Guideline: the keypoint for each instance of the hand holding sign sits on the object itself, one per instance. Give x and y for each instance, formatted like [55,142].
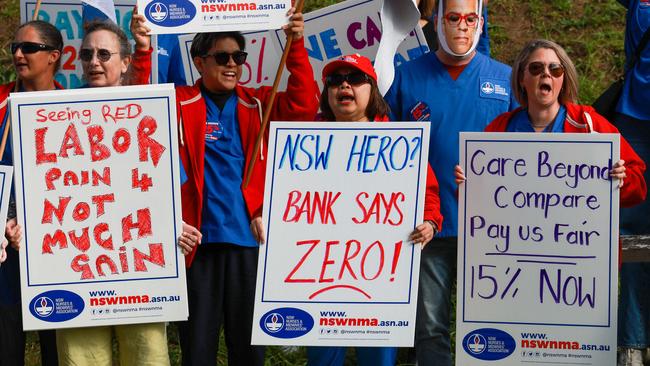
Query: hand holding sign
[296,24]
[618,172]
[14,233]
[140,31]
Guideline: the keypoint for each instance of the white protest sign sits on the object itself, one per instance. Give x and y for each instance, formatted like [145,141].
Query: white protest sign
[259,68]
[351,26]
[65,15]
[196,16]
[340,202]
[537,249]
[98,197]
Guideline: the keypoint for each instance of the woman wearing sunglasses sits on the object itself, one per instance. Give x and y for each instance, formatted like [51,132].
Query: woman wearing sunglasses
[36,53]
[545,83]
[351,94]
[106,56]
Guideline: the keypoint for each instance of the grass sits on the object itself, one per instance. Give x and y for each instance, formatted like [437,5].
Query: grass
[592,32]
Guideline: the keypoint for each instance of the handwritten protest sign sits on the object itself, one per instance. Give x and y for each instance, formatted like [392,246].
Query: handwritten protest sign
[97,193]
[65,15]
[351,26]
[537,249]
[194,16]
[340,202]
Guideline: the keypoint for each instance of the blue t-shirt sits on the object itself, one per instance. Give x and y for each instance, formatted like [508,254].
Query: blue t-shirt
[520,122]
[224,218]
[636,91]
[423,90]
[170,62]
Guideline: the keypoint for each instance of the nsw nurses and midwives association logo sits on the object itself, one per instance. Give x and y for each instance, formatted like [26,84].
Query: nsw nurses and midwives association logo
[476,343]
[487,87]
[158,12]
[274,322]
[44,306]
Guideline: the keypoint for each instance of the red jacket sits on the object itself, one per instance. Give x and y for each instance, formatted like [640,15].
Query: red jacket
[298,103]
[140,68]
[584,119]
[4,95]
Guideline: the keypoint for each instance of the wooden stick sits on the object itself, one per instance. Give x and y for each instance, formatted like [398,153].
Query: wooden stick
[5,133]
[36,10]
[269,104]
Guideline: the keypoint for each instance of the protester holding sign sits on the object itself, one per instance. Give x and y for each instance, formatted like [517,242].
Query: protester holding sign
[545,83]
[457,89]
[36,51]
[222,276]
[105,57]
[351,94]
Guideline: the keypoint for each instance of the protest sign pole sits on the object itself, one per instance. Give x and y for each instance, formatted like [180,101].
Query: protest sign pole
[36,10]
[269,104]
[5,134]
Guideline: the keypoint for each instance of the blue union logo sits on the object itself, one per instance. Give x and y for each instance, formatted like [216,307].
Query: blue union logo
[286,323]
[489,344]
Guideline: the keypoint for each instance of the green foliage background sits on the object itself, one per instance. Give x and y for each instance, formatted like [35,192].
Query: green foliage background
[592,32]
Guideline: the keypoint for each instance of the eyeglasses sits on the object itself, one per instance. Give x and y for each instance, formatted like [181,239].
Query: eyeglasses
[222,58]
[353,78]
[30,47]
[103,55]
[555,69]
[454,19]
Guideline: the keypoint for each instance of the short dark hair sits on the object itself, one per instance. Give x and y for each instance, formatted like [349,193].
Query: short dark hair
[202,42]
[377,106]
[49,34]
[97,25]
[426,8]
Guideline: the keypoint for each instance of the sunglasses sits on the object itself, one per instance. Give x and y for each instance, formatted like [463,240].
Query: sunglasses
[454,19]
[222,58]
[30,47]
[555,69]
[103,55]
[353,78]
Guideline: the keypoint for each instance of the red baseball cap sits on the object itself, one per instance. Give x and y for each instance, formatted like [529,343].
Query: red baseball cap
[355,61]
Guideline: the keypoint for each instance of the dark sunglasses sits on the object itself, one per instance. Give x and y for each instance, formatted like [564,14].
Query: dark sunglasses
[454,19]
[555,69]
[30,47]
[353,78]
[222,58]
[103,55]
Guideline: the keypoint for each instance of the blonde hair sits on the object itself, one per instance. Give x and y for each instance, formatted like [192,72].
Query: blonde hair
[569,91]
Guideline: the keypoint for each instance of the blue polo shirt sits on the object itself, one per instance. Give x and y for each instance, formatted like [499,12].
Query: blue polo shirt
[636,91]
[225,217]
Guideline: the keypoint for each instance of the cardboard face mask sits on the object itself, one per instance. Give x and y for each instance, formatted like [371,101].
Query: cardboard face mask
[442,39]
